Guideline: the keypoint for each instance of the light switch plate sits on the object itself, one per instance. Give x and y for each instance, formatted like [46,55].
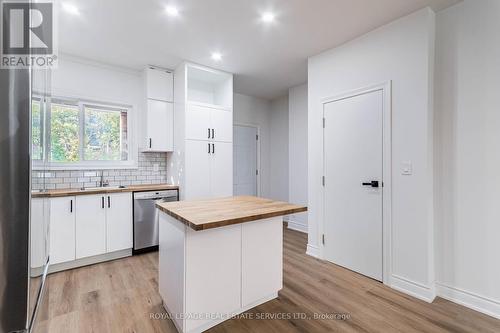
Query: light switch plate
[406,168]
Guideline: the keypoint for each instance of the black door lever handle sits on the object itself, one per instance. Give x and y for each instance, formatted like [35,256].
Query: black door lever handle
[373,183]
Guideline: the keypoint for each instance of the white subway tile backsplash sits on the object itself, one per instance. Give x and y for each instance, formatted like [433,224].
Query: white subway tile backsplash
[145,174]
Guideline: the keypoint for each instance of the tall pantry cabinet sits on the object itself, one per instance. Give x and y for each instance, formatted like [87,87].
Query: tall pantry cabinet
[202,162]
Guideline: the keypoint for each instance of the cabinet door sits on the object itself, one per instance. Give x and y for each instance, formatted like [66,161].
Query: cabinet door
[37,231]
[118,221]
[221,170]
[160,126]
[197,170]
[62,229]
[198,123]
[90,225]
[222,124]
[159,85]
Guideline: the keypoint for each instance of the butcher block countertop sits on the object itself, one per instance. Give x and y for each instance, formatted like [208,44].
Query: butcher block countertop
[102,190]
[215,213]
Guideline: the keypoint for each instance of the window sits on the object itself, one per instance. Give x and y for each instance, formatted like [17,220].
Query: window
[105,134]
[81,134]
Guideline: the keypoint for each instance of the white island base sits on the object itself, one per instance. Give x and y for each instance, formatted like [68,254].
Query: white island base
[208,276]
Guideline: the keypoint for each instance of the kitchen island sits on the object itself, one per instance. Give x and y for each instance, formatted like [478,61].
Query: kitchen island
[220,257]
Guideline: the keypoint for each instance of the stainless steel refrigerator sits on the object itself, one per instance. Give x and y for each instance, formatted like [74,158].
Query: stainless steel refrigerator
[22,286]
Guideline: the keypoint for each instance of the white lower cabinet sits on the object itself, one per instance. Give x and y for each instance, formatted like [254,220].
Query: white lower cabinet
[119,222]
[90,225]
[62,230]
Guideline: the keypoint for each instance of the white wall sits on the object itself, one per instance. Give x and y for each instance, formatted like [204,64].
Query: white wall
[250,110]
[297,154]
[402,52]
[468,154]
[279,149]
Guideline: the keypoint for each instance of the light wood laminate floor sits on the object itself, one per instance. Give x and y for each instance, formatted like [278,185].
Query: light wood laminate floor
[121,296]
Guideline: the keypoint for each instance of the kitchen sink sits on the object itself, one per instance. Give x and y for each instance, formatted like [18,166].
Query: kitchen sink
[102,188]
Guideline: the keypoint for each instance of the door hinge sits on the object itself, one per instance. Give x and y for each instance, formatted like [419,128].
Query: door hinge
[323,239]
[257,172]
[324,122]
[257,137]
[323,180]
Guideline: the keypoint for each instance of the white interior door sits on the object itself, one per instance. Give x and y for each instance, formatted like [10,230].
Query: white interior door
[245,160]
[353,145]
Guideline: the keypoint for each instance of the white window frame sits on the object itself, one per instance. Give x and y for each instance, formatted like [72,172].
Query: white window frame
[46,164]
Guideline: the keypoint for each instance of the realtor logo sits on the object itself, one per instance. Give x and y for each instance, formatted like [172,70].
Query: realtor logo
[27,35]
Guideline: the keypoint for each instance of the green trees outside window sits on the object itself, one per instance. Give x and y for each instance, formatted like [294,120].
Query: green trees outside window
[79,132]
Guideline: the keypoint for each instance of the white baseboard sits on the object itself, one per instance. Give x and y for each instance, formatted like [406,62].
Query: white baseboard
[313,251]
[297,226]
[413,288]
[471,300]
[90,260]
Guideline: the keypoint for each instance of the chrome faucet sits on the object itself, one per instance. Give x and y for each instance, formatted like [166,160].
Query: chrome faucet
[103,183]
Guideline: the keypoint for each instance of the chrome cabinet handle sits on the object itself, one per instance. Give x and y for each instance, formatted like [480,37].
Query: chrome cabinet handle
[102,202]
[213,133]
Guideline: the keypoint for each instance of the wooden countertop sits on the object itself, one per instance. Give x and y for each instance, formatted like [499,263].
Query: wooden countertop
[215,213]
[103,190]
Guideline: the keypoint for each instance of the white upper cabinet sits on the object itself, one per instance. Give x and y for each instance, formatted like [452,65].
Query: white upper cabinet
[204,123]
[159,84]
[160,126]
[221,123]
[159,110]
[198,123]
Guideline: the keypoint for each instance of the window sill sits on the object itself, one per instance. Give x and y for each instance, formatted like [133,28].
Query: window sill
[63,167]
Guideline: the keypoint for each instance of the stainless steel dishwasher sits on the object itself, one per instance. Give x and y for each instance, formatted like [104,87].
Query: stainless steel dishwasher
[146,218]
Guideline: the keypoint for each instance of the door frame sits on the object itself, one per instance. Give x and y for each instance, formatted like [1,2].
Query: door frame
[386,88]
[257,127]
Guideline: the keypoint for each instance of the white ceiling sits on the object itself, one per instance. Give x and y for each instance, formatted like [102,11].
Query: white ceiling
[267,59]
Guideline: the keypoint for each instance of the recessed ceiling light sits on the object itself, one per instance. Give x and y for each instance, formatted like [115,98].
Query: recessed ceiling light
[216,56]
[70,8]
[268,17]
[172,11]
